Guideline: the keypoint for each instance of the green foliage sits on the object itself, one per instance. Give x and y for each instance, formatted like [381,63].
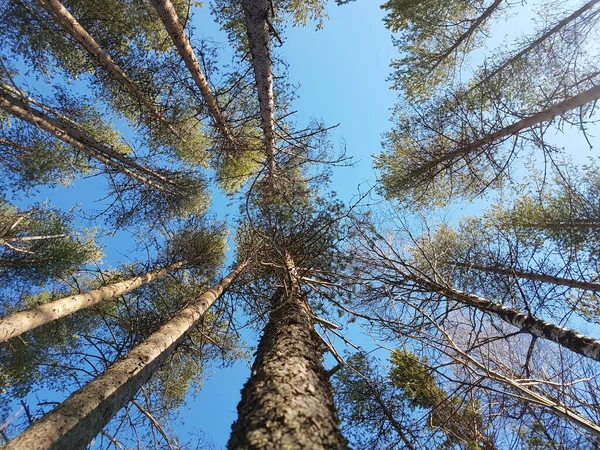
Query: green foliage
[40,244]
[234,168]
[427,31]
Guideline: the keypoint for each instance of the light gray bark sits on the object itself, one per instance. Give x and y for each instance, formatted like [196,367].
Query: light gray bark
[256,18]
[578,284]
[566,337]
[168,15]
[19,322]
[69,134]
[71,26]
[581,99]
[75,422]
[561,24]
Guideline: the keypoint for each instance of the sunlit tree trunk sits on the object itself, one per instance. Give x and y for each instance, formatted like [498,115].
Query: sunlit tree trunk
[75,422]
[168,15]
[256,17]
[566,337]
[587,285]
[288,401]
[67,133]
[536,42]
[19,322]
[71,26]
[581,99]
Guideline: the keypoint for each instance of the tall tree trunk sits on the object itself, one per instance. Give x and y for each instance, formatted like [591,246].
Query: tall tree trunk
[19,322]
[288,400]
[75,422]
[256,17]
[467,34]
[71,26]
[581,99]
[566,337]
[66,132]
[168,15]
[587,285]
[536,42]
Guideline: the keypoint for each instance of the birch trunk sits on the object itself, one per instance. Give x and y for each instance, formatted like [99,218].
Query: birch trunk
[19,322]
[288,403]
[587,285]
[75,422]
[67,133]
[168,15]
[72,27]
[256,18]
[566,337]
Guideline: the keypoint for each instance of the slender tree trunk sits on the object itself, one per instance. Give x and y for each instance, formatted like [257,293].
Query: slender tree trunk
[71,26]
[587,285]
[566,337]
[168,15]
[256,17]
[76,138]
[556,28]
[19,322]
[581,99]
[467,34]
[75,422]
[288,403]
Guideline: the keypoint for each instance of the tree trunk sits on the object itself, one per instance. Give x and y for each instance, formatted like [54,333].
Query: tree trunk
[71,26]
[168,15]
[587,285]
[76,138]
[556,28]
[581,99]
[288,403]
[467,34]
[75,422]
[256,17]
[566,337]
[19,322]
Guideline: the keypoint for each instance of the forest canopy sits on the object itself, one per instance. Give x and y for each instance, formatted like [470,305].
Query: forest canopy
[181,220]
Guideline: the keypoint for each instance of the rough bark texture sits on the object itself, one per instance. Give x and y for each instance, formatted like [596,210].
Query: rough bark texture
[578,284]
[566,337]
[83,38]
[288,403]
[256,18]
[168,15]
[75,422]
[19,322]
[66,132]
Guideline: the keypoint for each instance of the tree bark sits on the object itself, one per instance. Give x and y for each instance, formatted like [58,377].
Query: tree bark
[256,18]
[71,26]
[537,42]
[587,285]
[288,403]
[581,99]
[75,422]
[168,15]
[467,34]
[19,322]
[566,337]
[66,132]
